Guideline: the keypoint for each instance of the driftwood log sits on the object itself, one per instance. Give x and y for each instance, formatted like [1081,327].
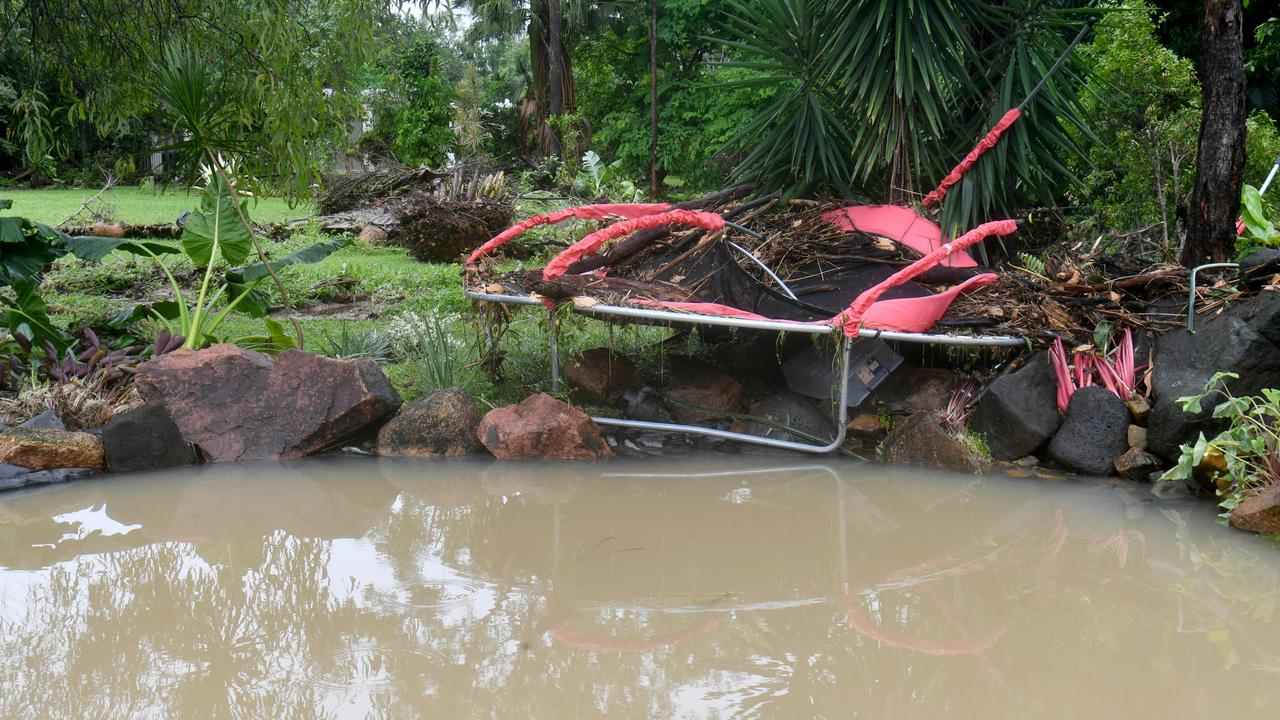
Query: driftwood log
[121,230]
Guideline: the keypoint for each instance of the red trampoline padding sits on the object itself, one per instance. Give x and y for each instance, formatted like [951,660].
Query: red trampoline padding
[983,145]
[899,224]
[852,318]
[583,212]
[916,314]
[559,265]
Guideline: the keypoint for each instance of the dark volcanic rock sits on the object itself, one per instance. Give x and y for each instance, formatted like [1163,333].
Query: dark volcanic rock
[145,438]
[707,388]
[30,478]
[46,420]
[1245,339]
[921,441]
[1137,464]
[1094,433]
[910,390]
[601,376]
[1259,267]
[1260,513]
[794,411]
[237,404]
[1019,412]
[541,427]
[441,423]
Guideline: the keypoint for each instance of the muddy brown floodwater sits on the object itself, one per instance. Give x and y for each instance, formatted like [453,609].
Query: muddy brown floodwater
[712,588]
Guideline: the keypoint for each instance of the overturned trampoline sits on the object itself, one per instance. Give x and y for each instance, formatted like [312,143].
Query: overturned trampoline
[863,275]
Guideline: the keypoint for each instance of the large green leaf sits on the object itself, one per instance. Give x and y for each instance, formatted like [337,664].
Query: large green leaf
[216,221]
[94,249]
[27,315]
[305,256]
[26,249]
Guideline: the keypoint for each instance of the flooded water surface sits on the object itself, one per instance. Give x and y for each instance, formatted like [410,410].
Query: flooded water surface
[700,588]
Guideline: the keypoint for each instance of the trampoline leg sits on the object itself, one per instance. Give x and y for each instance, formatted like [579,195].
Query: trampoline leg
[553,343]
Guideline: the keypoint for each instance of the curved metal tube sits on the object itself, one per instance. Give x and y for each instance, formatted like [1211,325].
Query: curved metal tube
[1191,300]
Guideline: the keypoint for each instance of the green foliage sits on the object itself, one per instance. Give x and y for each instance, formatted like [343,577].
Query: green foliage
[1145,103]
[699,109]
[1259,231]
[26,249]
[410,101]
[1249,447]
[599,180]
[883,97]
[352,343]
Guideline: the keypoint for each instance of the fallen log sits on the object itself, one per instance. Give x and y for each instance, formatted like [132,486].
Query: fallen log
[123,230]
[637,242]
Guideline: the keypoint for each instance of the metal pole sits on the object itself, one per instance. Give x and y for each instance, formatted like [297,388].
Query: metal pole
[842,420]
[553,342]
[1061,59]
[1191,300]
[751,256]
[1270,176]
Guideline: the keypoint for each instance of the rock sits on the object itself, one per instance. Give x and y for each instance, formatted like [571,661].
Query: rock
[703,386]
[910,390]
[1137,437]
[441,423]
[601,376]
[1260,513]
[541,427]
[373,235]
[1019,411]
[921,440]
[44,449]
[866,426]
[794,411]
[1093,434]
[46,420]
[29,477]
[1139,409]
[1260,267]
[145,438]
[1136,464]
[237,404]
[1245,339]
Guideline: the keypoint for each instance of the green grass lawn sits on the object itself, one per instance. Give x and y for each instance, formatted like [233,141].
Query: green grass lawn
[133,205]
[435,335]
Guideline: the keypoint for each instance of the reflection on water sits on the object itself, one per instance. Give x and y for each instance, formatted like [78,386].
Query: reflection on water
[707,588]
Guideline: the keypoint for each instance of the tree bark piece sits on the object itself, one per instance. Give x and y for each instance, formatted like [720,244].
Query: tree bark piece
[1215,197]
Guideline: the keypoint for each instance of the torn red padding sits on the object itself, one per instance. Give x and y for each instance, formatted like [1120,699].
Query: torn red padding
[915,314]
[853,317]
[584,212]
[559,265]
[983,145]
[899,224]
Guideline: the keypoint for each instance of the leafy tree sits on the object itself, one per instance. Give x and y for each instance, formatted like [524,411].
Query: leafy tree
[882,97]
[699,107]
[553,29]
[1143,100]
[289,67]
[410,101]
[1215,196]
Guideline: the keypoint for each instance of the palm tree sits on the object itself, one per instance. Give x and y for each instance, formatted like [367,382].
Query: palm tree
[553,27]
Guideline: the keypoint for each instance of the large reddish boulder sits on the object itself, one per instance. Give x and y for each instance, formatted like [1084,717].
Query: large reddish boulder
[700,392]
[1260,513]
[541,427]
[601,376]
[237,404]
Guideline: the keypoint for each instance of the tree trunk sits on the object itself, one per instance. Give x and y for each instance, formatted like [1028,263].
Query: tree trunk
[1215,197]
[555,70]
[653,99]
